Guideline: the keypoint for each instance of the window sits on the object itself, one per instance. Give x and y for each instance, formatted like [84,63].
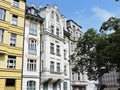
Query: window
[14,20]
[51,48]
[10,82]
[52,66]
[32,46]
[65,70]
[57,32]
[32,11]
[1,35]
[78,76]
[64,54]
[57,18]
[31,65]
[64,85]
[52,29]
[11,62]
[2,14]
[31,85]
[16,3]
[72,49]
[58,50]
[55,86]
[52,15]
[72,76]
[13,39]
[33,28]
[58,67]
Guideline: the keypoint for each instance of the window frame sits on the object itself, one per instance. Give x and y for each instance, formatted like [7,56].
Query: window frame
[31,85]
[31,65]
[16,3]
[58,50]
[11,62]
[58,67]
[14,20]
[1,35]
[33,28]
[13,39]
[3,14]
[52,65]
[52,48]
[32,46]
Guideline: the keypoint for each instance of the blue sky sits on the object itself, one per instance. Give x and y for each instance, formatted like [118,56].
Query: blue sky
[87,13]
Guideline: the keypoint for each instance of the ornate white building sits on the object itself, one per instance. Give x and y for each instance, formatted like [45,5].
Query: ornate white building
[31,59]
[55,50]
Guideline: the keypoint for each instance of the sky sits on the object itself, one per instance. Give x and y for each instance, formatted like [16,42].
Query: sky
[87,13]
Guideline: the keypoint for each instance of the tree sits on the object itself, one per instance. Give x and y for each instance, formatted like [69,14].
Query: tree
[98,53]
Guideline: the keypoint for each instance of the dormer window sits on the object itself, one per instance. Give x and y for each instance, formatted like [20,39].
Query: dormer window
[57,18]
[52,15]
[32,11]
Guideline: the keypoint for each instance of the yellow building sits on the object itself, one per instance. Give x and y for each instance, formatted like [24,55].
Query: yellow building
[12,14]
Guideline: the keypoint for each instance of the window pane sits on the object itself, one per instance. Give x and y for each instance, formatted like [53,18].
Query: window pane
[13,39]
[16,3]
[33,28]
[1,35]
[11,63]
[2,14]
[10,82]
[31,65]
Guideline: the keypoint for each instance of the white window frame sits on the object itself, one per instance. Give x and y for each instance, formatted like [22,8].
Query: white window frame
[13,39]
[52,15]
[33,28]
[2,14]
[57,31]
[57,18]
[58,50]
[11,62]
[58,67]
[64,85]
[32,46]
[31,65]
[14,20]
[31,85]
[65,70]
[52,29]
[52,66]
[52,48]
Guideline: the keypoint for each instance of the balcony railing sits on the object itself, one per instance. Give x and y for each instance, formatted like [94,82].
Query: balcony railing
[33,52]
[33,32]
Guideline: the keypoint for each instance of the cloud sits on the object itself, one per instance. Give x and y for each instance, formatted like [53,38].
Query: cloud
[102,13]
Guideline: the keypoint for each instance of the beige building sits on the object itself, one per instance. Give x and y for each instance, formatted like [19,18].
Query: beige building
[12,13]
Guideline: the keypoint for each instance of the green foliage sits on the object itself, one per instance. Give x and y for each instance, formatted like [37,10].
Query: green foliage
[98,53]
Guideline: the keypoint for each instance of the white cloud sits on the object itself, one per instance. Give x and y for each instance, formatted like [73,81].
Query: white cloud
[102,13]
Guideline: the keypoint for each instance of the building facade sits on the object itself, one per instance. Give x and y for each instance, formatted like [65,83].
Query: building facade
[54,56]
[32,41]
[78,81]
[110,80]
[11,43]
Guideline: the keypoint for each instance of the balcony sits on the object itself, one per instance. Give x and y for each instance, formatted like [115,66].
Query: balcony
[51,76]
[33,32]
[32,52]
[79,83]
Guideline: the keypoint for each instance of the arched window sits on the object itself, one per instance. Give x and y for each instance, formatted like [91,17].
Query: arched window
[52,15]
[57,18]
[31,85]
